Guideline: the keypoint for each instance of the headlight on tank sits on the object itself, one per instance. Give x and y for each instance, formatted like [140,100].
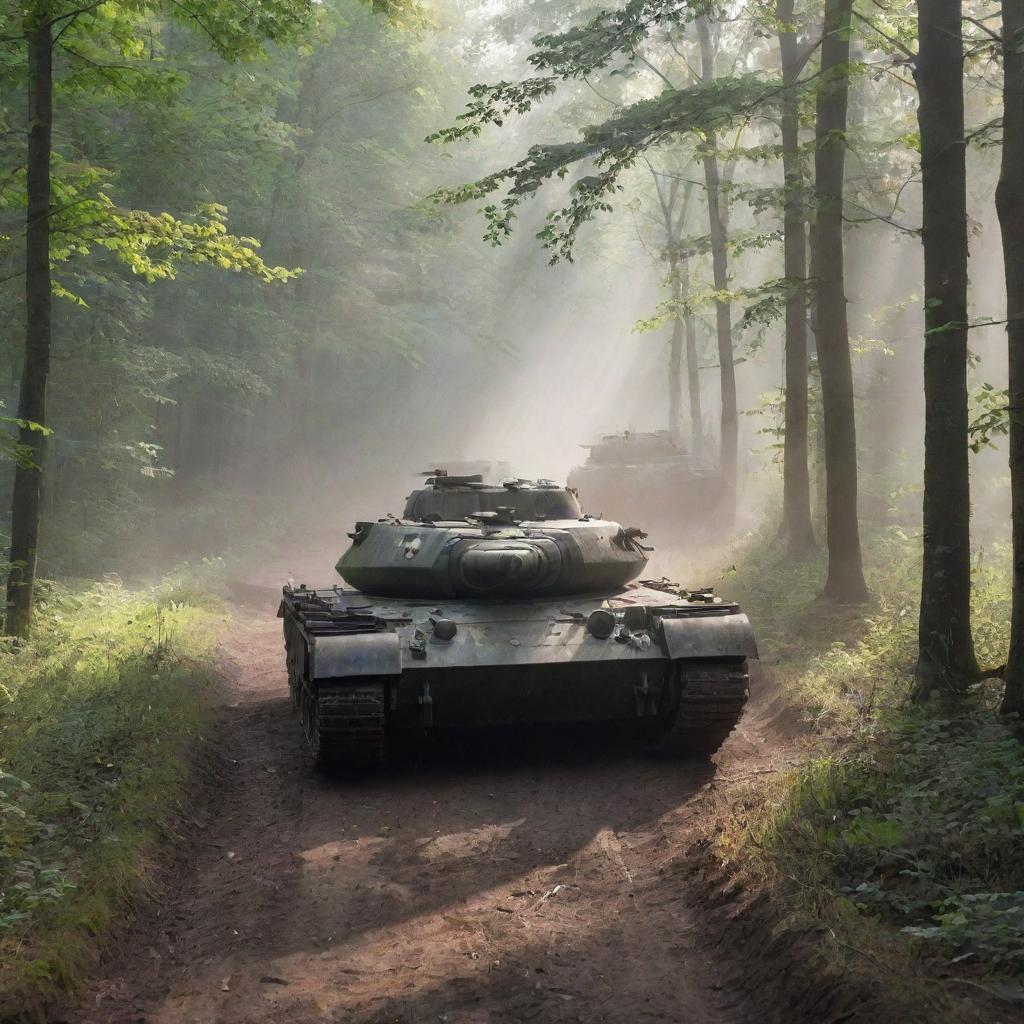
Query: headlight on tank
[445,630]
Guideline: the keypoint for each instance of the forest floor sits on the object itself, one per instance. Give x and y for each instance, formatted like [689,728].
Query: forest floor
[519,879]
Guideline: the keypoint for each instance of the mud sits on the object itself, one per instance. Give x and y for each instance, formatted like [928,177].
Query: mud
[507,878]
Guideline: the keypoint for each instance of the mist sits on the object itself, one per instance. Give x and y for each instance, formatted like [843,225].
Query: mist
[245,416]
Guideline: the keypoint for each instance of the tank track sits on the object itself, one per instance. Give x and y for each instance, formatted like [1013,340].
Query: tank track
[712,695]
[345,724]
[343,719]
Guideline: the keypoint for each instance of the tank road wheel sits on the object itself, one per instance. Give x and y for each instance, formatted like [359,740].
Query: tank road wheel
[710,698]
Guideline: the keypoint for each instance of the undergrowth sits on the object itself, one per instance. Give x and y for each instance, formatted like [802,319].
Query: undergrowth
[96,713]
[904,826]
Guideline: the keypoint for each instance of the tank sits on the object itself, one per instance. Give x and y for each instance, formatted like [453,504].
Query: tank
[506,605]
[648,475]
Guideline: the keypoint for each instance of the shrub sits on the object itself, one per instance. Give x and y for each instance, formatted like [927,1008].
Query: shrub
[96,713]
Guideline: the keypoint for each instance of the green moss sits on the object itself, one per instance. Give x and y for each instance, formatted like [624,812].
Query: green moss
[96,716]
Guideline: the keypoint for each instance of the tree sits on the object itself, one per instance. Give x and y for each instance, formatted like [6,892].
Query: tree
[235,33]
[674,199]
[946,660]
[796,493]
[845,581]
[1010,206]
[729,430]
[28,475]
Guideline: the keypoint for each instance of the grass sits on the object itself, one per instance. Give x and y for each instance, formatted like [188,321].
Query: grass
[902,830]
[97,713]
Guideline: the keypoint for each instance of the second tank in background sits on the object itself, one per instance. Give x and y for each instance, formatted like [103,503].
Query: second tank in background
[647,477]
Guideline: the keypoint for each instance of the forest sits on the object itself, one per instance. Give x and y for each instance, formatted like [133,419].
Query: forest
[267,266]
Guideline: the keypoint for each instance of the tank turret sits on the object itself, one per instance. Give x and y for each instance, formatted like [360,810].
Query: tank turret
[462,538]
[450,498]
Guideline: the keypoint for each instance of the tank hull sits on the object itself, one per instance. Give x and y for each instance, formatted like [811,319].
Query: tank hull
[364,669]
[662,495]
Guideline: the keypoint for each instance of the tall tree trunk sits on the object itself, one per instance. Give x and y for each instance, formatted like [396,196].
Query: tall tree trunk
[1010,204]
[692,367]
[845,582]
[26,502]
[675,381]
[946,658]
[796,484]
[723,308]
[675,359]
[674,215]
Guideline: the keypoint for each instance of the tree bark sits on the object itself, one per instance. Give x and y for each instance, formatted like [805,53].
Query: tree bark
[845,582]
[675,359]
[692,368]
[26,501]
[729,440]
[797,529]
[946,649]
[1010,204]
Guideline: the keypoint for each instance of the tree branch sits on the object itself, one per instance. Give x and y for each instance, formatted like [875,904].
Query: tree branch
[75,13]
[984,28]
[888,38]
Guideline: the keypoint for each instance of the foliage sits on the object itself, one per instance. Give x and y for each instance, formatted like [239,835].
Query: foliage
[11,448]
[183,348]
[95,718]
[767,301]
[922,829]
[913,818]
[990,416]
[849,668]
[627,35]
[615,146]
[574,54]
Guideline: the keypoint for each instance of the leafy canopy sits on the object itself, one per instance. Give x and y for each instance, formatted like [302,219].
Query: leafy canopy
[616,144]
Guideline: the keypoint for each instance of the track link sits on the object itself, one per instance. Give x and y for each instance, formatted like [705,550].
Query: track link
[345,724]
[712,695]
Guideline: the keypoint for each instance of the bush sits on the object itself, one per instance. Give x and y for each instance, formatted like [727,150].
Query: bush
[96,713]
[913,819]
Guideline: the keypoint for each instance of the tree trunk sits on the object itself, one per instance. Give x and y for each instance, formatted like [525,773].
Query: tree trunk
[26,501]
[692,369]
[946,656]
[796,485]
[845,582]
[1010,204]
[675,380]
[729,441]
[675,358]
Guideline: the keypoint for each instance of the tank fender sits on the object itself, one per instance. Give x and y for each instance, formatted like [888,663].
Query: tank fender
[709,636]
[362,654]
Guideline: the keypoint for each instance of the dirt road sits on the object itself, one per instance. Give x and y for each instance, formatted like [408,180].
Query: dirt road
[521,881]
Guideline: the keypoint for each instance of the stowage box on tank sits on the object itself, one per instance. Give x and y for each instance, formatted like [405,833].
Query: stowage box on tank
[506,605]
